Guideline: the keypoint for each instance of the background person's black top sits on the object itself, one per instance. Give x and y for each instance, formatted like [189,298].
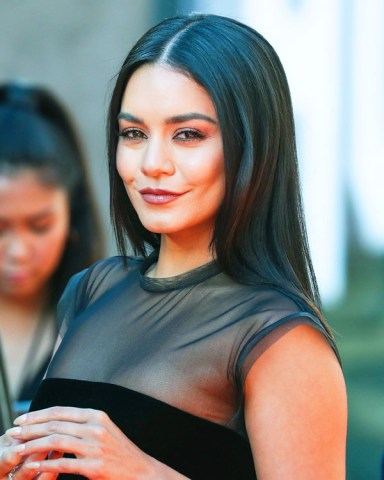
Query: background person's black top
[167,359]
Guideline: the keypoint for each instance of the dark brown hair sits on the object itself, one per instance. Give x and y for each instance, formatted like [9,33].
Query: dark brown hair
[37,133]
[259,234]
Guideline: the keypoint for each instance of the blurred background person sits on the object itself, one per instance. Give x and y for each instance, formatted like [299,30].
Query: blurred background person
[49,229]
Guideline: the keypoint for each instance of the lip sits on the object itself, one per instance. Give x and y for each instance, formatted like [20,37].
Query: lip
[158,196]
[16,276]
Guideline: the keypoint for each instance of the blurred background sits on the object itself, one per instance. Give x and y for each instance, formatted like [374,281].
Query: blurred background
[333,53]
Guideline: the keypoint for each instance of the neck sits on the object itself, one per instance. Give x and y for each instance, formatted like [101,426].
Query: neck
[176,257]
[19,307]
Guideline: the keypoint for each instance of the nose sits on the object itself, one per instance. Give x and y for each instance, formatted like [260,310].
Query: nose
[17,247]
[157,159]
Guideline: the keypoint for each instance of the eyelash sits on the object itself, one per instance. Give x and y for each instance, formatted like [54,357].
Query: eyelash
[195,135]
[127,131]
[40,229]
[135,134]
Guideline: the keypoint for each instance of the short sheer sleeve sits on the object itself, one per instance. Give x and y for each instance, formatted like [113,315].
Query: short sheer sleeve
[71,301]
[278,314]
[85,287]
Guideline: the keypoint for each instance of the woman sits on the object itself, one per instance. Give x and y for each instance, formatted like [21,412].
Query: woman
[207,356]
[48,227]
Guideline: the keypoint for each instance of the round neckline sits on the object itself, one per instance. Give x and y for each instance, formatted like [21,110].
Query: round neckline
[186,279]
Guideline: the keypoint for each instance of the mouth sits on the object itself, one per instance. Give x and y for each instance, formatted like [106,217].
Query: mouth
[16,276]
[158,196]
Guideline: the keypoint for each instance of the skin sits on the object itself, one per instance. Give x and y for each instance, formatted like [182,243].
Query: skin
[296,409]
[34,224]
[158,149]
[294,393]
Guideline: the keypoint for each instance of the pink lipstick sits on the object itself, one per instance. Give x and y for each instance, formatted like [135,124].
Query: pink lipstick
[158,196]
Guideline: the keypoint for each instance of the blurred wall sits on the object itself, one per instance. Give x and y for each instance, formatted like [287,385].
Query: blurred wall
[75,48]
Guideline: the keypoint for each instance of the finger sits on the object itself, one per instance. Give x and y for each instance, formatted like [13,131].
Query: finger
[88,431]
[86,468]
[30,432]
[54,455]
[7,441]
[70,414]
[77,439]
[10,457]
[31,474]
[47,475]
[99,428]
[62,444]
[25,474]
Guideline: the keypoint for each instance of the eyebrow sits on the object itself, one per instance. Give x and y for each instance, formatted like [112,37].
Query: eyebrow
[174,119]
[42,214]
[47,212]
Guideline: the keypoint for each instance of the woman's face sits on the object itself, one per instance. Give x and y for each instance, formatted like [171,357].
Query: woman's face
[170,153]
[34,225]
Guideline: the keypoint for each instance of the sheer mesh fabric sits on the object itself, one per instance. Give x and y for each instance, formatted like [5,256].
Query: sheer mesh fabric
[188,341]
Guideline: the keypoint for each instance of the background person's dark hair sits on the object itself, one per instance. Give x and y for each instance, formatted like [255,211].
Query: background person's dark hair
[259,234]
[37,133]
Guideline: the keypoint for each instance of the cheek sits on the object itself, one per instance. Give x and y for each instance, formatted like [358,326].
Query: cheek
[216,183]
[125,165]
[51,248]
[209,175]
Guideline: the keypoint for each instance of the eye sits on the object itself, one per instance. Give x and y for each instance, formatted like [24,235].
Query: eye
[41,227]
[40,230]
[189,135]
[133,134]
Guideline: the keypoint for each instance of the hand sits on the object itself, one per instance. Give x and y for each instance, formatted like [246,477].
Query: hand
[10,457]
[101,449]
[12,460]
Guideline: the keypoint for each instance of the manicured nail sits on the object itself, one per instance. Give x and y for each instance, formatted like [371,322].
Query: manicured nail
[32,465]
[13,432]
[20,420]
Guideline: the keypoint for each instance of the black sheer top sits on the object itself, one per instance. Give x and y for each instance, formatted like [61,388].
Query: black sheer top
[167,358]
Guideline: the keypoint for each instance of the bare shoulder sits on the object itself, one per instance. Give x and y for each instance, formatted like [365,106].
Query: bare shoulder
[296,409]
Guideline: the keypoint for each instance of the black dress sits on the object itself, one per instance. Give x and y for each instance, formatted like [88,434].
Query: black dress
[167,359]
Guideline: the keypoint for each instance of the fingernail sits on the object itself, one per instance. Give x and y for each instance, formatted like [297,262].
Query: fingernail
[19,448]
[20,420]
[32,465]
[13,432]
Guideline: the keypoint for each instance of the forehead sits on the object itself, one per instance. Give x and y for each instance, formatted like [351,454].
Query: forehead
[155,86]
[23,178]
[23,193]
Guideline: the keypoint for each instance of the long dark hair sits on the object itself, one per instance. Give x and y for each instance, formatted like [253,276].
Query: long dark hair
[259,234]
[37,133]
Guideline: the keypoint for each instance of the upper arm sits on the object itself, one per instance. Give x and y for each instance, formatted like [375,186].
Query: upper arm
[296,409]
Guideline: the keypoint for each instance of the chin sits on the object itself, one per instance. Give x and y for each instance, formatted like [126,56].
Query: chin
[160,227]
[24,291]
[158,230]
